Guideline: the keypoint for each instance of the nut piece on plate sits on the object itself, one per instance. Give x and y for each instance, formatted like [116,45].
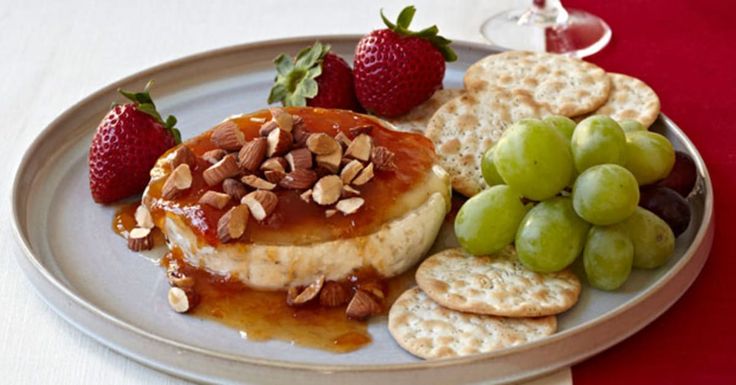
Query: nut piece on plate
[261,203]
[362,306]
[228,136]
[227,167]
[214,156]
[182,300]
[364,176]
[350,171]
[299,158]
[279,142]
[143,217]
[231,225]
[360,148]
[183,155]
[276,163]
[299,179]
[294,297]
[327,190]
[350,205]
[234,188]
[383,158]
[322,144]
[215,199]
[179,180]
[140,238]
[257,183]
[252,154]
[330,162]
[282,118]
[333,294]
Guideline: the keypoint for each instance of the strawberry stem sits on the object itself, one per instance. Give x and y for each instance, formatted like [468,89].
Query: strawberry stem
[144,103]
[430,34]
[295,78]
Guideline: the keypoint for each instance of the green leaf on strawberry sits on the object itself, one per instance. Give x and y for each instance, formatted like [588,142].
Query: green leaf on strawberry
[295,78]
[144,103]
[430,34]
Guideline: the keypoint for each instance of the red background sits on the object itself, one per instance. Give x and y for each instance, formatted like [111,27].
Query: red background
[685,51]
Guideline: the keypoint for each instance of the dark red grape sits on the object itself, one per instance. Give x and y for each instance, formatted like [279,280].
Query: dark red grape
[683,175]
[668,205]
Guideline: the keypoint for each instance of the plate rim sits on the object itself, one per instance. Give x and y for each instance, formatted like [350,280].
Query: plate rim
[705,230]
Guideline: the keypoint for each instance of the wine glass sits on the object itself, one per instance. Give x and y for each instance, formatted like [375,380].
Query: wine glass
[547,26]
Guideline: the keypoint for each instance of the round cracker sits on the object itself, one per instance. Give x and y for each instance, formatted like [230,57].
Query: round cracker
[428,330]
[630,98]
[464,128]
[566,85]
[497,285]
[416,120]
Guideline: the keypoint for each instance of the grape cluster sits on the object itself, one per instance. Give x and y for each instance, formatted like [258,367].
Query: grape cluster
[611,192]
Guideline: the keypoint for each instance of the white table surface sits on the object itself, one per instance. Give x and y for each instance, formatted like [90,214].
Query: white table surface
[53,54]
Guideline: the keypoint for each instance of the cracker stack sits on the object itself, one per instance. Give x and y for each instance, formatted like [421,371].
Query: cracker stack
[468,305]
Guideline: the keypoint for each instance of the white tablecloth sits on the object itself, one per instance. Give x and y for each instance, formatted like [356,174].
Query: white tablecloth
[52,54]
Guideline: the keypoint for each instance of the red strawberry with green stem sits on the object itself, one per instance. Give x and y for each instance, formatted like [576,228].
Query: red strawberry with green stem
[396,69]
[126,146]
[316,77]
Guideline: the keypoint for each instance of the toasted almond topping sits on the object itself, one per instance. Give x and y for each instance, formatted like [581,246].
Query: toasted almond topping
[179,180]
[360,130]
[232,224]
[350,171]
[257,183]
[330,212]
[282,118]
[267,127]
[299,158]
[364,176]
[343,139]
[279,142]
[330,162]
[252,154]
[227,136]
[178,279]
[306,196]
[140,238]
[298,121]
[294,297]
[234,188]
[350,205]
[360,148]
[214,156]
[348,191]
[333,294]
[300,135]
[327,190]
[261,203]
[257,120]
[276,164]
[322,144]
[215,199]
[383,158]
[299,179]
[227,167]
[183,155]
[182,300]
[274,176]
[143,217]
[374,288]
[362,306]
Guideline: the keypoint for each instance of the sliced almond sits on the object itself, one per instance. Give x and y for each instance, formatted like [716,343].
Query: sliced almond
[333,294]
[299,179]
[252,154]
[234,188]
[330,162]
[267,127]
[295,297]
[140,239]
[179,180]
[327,190]
[383,158]
[143,217]
[279,142]
[322,144]
[214,156]
[257,183]
[276,164]
[282,118]
[360,148]
[261,203]
[232,224]
[182,300]
[350,171]
[365,175]
[274,176]
[183,155]
[299,158]
[343,139]
[350,205]
[306,196]
[215,199]
[330,212]
[362,306]
[227,136]
[227,167]
[348,191]
[360,130]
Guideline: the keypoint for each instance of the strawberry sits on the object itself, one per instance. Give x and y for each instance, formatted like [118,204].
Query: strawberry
[125,147]
[316,77]
[396,69]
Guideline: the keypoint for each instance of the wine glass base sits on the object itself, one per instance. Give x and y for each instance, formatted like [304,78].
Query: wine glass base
[582,34]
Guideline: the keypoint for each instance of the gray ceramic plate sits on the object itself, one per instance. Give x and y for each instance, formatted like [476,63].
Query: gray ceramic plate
[86,273]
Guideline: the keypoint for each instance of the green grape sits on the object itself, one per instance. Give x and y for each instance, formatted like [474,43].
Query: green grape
[598,139]
[653,239]
[534,159]
[488,168]
[649,156]
[562,124]
[551,236]
[608,256]
[487,222]
[631,125]
[605,194]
